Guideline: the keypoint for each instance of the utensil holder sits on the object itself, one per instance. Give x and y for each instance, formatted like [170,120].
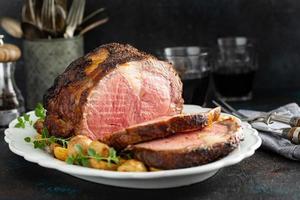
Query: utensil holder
[44,61]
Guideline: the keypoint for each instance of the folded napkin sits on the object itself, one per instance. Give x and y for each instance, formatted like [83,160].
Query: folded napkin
[274,142]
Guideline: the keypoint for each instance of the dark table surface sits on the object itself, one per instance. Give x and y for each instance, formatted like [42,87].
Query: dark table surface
[265,175]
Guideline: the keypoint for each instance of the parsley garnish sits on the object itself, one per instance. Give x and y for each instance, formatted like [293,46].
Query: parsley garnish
[46,140]
[81,159]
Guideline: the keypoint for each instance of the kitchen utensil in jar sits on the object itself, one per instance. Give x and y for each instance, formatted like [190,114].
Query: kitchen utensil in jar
[28,12]
[53,18]
[31,32]
[93,26]
[74,17]
[11,26]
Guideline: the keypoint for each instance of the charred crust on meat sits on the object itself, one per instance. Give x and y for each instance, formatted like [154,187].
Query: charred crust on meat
[84,96]
[184,159]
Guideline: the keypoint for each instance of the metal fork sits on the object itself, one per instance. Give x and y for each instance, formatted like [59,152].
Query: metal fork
[74,17]
[28,13]
[48,16]
[292,133]
[265,117]
[230,110]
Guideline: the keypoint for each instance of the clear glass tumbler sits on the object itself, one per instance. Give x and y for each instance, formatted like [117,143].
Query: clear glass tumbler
[235,68]
[192,65]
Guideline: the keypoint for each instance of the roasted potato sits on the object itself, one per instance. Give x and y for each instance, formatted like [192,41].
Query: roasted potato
[60,153]
[132,166]
[52,147]
[102,165]
[39,125]
[152,169]
[81,140]
[100,148]
[122,160]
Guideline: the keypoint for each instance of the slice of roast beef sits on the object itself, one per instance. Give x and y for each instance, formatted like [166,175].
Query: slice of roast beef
[161,127]
[190,149]
[113,87]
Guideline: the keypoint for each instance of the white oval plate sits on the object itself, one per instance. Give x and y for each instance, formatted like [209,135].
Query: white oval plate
[160,179]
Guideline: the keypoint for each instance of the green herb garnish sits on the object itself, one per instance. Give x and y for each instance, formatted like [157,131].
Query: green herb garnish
[46,140]
[81,159]
[40,111]
[23,120]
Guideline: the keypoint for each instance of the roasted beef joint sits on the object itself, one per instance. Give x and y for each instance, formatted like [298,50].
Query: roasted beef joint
[113,87]
[131,100]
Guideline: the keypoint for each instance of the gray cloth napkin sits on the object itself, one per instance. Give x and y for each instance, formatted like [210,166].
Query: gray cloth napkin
[274,142]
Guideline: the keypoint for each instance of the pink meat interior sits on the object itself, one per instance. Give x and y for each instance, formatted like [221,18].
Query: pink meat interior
[134,93]
[206,137]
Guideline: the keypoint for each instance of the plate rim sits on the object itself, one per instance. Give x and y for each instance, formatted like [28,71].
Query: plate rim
[52,163]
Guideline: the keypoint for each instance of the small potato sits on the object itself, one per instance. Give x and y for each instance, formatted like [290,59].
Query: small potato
[102,165]
[122,160]
[52,147]
[39,125]
[132,166]
[61,153]
[82,140]
[100,148]
[152,169]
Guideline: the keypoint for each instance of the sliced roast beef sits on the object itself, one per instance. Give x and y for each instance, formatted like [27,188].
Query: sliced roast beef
[113,87]
[190,149]
[161,127]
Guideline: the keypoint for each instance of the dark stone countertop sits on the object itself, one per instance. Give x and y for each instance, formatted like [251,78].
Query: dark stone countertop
[265,175]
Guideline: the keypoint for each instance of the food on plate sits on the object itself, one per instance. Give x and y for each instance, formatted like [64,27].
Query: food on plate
[109,89]
[99,164]
[100,148]
[162,127]
[153,169]
[52,147]
[39,125]
[132,166]
[60,153]
[190,149]
[120,109]
[81,140]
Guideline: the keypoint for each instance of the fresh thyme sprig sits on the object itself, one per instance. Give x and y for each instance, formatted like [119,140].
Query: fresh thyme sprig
[46,140]
[39,111]
[81,159]
[23,120]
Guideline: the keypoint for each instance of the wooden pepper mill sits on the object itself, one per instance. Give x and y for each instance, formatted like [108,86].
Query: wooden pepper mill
[11,100]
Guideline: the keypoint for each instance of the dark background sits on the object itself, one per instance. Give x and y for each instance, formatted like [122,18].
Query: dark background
[152,25]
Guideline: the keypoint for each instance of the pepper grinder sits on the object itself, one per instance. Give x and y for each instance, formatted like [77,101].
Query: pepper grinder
[11,100]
